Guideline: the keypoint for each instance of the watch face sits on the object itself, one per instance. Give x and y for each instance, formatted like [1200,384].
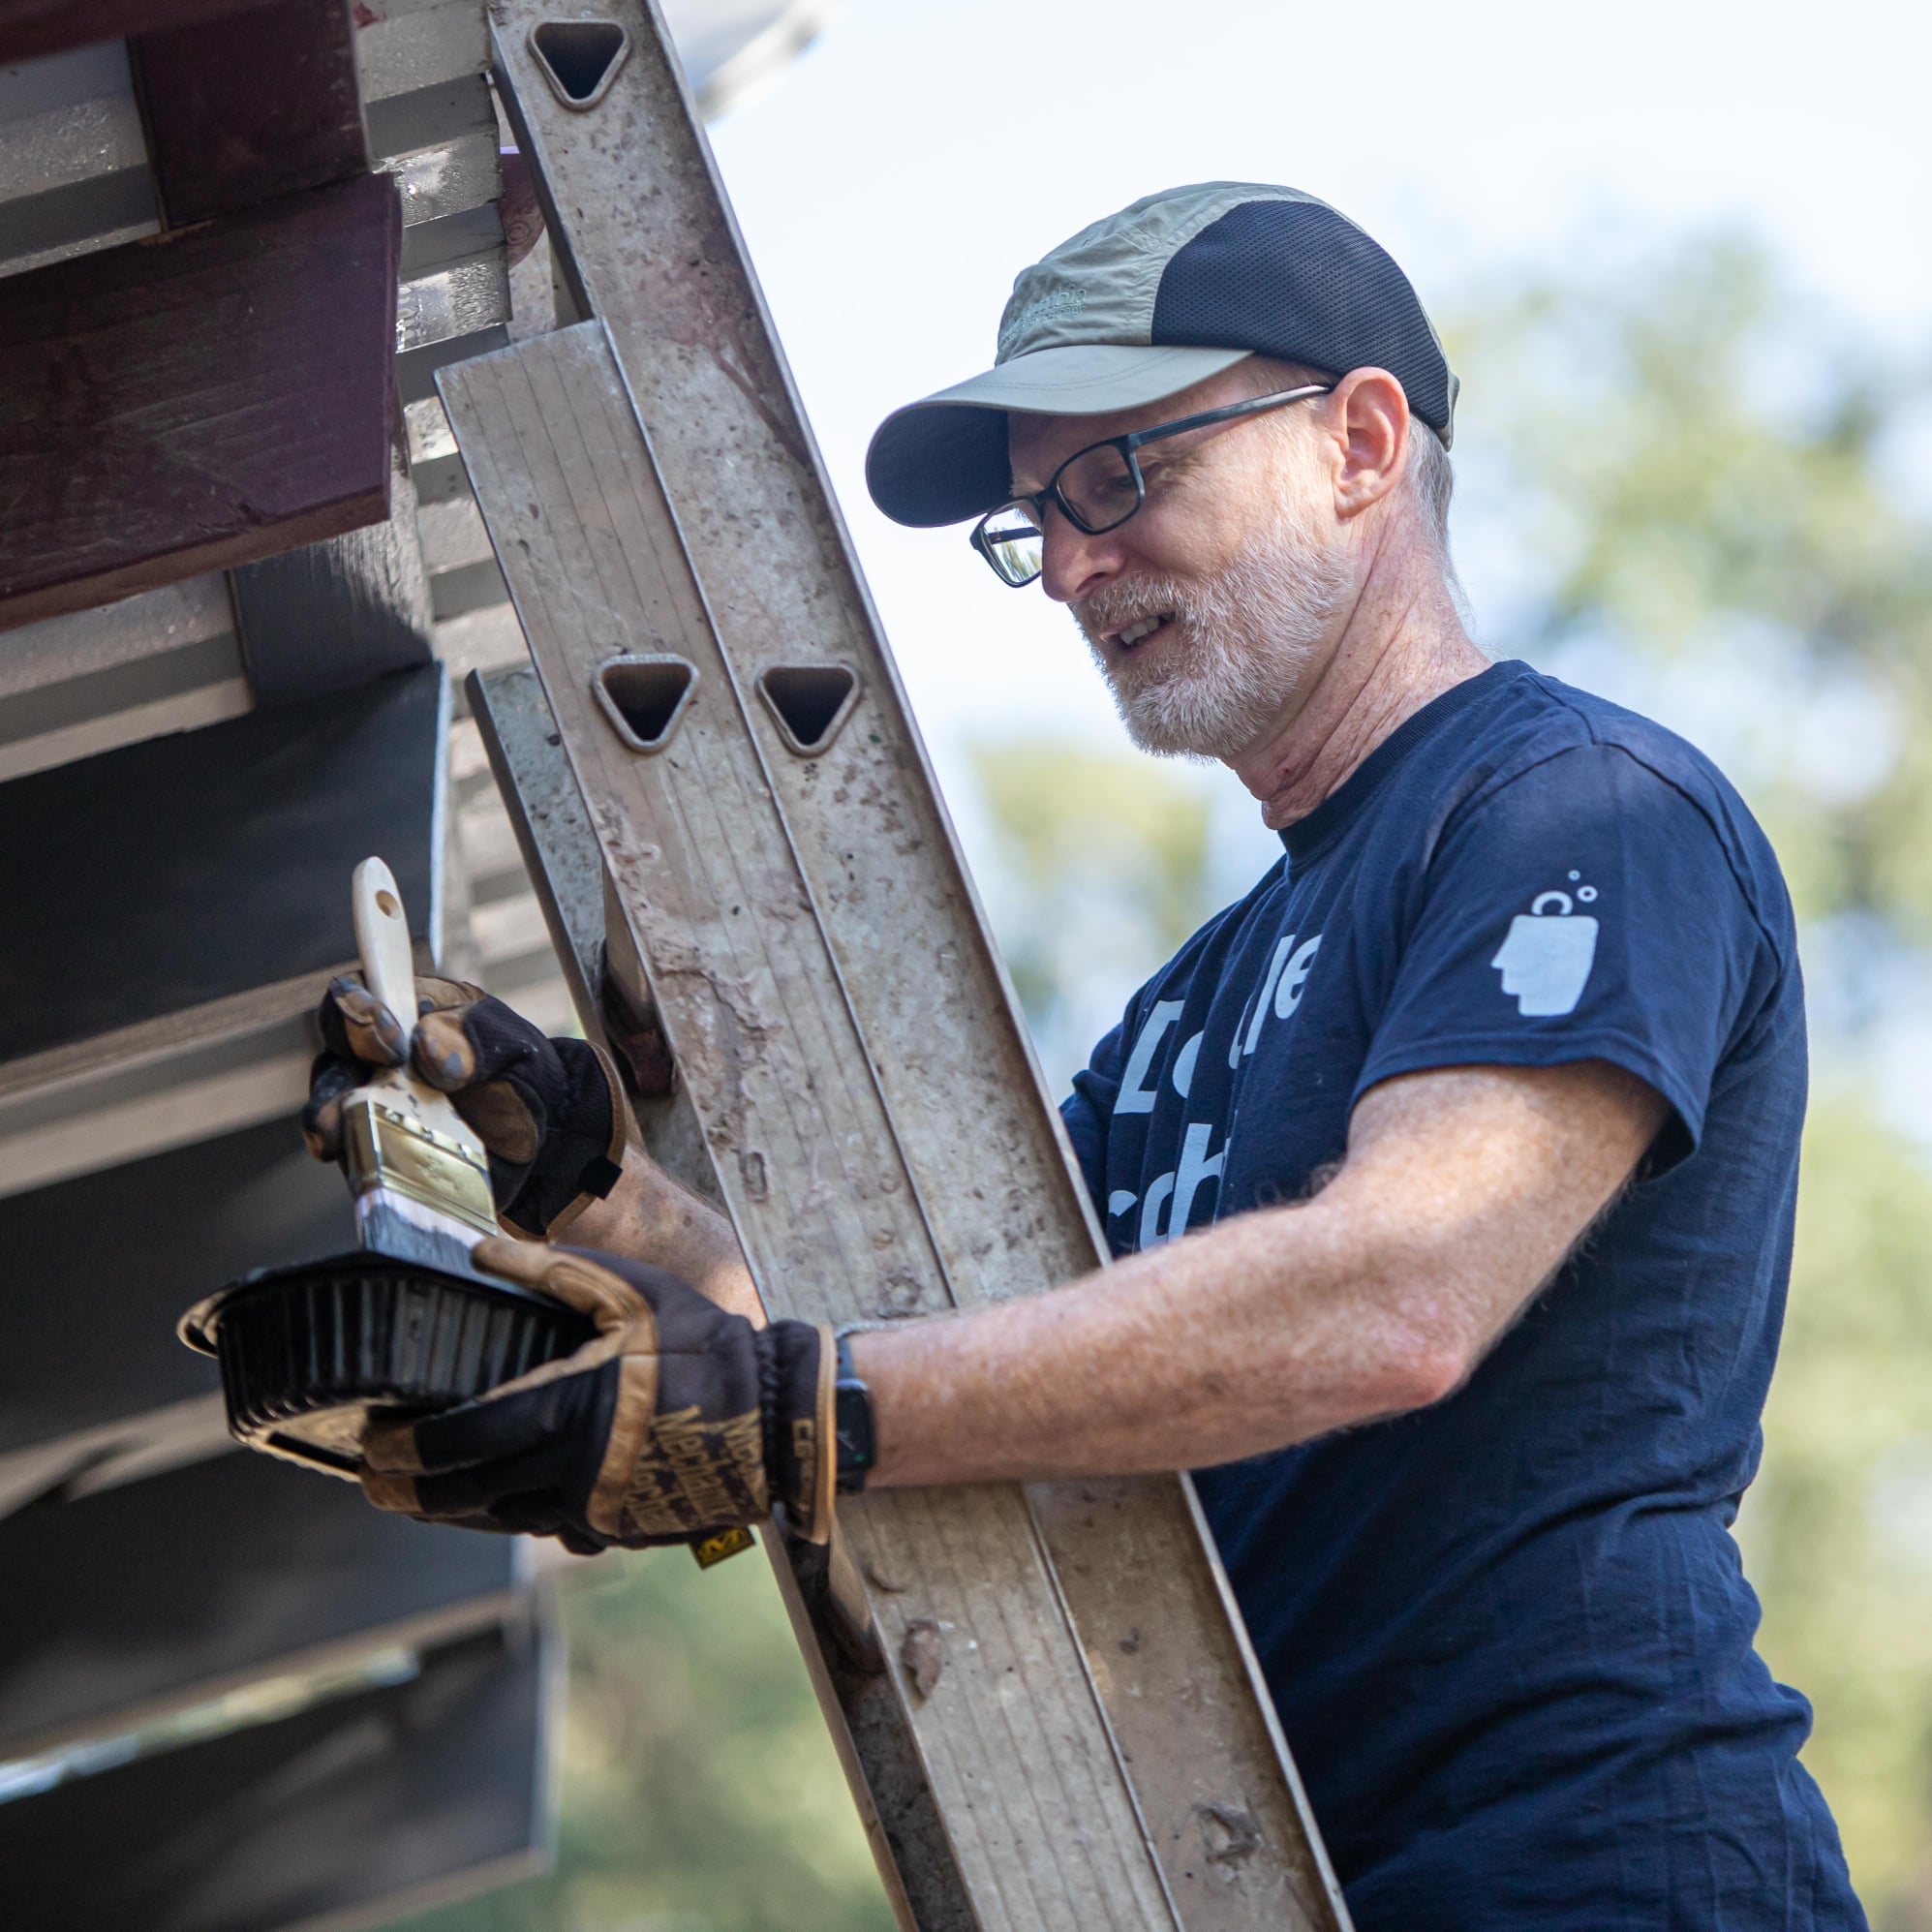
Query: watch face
[853,1426]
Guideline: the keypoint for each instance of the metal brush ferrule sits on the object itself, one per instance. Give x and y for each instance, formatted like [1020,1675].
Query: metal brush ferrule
[386,1147]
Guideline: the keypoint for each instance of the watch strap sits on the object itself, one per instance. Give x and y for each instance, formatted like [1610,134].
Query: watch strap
[852,1415]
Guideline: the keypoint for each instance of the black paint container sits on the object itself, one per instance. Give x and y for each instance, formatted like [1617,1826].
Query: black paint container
[311,1354]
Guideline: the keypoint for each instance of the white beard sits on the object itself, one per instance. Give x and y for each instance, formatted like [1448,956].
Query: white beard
[1241,641]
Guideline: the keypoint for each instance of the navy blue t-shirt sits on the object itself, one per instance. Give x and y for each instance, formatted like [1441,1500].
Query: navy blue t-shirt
[1508,1635]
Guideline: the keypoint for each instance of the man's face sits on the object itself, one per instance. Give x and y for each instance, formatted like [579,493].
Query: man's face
[1207,608]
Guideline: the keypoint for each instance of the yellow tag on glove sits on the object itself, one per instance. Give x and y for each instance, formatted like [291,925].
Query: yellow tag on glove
[715,1549]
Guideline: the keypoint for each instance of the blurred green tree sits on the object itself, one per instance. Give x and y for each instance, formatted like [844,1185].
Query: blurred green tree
[1702,474]
[700,1791]
[1099,869]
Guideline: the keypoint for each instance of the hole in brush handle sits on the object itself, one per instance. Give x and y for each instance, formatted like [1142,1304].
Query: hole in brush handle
[383,940]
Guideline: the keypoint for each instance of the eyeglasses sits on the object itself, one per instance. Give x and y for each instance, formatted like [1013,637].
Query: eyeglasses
[1096,489]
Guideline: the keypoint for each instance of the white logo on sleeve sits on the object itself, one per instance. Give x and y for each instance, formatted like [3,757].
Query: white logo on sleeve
[1545,960]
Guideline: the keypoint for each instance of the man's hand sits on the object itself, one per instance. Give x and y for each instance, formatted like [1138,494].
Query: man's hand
[550,1113]
[678,1420]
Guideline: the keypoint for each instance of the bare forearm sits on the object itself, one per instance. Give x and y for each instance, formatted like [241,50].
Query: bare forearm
[648,1216]
[1239,1340]
[1462,1191]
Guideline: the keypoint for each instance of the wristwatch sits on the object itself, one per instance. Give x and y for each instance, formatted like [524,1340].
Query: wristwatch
[852,1415]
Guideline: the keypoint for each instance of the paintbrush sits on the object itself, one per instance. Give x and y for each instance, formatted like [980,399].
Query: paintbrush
[418,1170]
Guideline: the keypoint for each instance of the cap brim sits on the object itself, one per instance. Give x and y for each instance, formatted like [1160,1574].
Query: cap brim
[944,459]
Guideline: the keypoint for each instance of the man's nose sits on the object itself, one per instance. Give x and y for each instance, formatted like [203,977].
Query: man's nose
[1072,564]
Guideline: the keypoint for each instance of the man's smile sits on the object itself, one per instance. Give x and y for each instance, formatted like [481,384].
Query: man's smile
[1129,635]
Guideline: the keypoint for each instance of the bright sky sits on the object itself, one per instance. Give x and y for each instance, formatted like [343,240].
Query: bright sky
[922,152]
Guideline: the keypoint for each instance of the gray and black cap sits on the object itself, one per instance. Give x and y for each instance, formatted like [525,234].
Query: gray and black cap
[1149,302]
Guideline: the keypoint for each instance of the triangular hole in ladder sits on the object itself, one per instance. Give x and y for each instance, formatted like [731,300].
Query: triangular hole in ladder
[648,694]
[807,699]
[578,53]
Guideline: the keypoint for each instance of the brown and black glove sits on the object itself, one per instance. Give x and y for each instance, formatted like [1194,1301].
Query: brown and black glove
[678,1419]
[550,1113]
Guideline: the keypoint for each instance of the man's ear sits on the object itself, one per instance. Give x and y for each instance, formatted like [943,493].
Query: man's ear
[1370,414]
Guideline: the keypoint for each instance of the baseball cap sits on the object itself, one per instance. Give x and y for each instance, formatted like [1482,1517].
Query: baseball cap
[1149,302]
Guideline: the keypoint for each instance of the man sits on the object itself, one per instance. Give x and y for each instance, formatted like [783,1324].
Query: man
[1450,1174]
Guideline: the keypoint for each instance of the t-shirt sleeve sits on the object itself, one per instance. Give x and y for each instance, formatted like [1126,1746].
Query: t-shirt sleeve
[1586,908]
[1088,1109]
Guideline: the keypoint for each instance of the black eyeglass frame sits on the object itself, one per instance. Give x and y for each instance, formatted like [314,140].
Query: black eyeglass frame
[1129,446]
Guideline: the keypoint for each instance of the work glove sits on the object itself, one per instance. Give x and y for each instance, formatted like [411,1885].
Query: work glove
[550,1113]
[677,1420]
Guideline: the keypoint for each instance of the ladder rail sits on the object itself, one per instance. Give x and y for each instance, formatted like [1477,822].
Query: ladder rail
[754,575]
[560,851]
[1041,1824]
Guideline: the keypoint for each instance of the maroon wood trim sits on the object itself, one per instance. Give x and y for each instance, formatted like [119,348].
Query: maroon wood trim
[31,28]
[196,401]
[253,105]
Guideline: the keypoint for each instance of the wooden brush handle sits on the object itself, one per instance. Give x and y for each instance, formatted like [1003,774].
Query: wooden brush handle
[388,971]
[383,940]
